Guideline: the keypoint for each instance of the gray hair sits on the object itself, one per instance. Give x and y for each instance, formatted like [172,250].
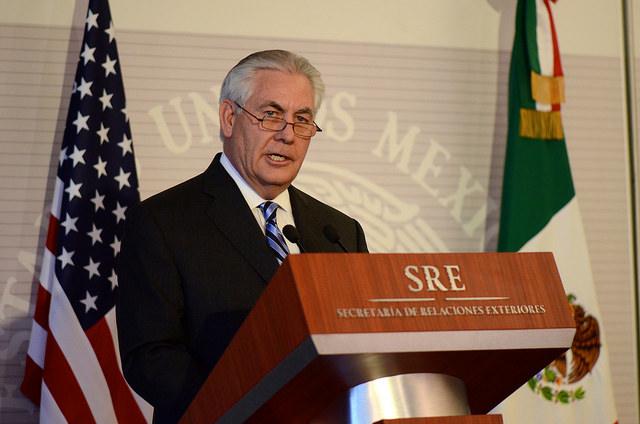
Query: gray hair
[238,84]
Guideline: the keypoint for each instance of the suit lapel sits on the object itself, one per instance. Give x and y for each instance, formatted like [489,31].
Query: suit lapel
[231,215]
[308,224]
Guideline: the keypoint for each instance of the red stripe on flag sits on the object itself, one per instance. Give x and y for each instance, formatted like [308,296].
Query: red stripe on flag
[43,303]
[52,235]
[557,65]
[32,381]
[63,385]
[125,406]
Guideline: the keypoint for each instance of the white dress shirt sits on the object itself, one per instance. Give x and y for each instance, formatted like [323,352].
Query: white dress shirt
[284,215]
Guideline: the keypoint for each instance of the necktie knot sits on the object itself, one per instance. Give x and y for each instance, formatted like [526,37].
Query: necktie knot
[274,237]
[269,210]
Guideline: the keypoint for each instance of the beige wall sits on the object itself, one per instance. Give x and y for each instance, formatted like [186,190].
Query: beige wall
[591,27]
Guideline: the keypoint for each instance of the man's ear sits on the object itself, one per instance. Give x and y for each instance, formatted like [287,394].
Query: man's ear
[226,114]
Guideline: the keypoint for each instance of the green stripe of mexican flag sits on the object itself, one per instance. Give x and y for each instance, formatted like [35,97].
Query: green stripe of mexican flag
[537,181]
[540,213]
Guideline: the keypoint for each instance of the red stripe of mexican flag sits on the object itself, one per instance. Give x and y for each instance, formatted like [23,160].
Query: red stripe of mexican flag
[540,213]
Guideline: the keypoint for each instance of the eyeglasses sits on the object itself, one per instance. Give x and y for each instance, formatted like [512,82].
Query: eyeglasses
[271,123]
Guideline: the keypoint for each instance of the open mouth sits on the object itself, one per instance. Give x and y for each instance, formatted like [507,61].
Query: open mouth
[277,158]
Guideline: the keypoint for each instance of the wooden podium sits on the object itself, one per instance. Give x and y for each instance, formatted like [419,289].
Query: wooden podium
[462,327]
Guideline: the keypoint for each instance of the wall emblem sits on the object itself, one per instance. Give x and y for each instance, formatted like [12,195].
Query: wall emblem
[392,225]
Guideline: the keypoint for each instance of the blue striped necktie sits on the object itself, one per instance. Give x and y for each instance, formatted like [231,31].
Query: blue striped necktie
[275,239]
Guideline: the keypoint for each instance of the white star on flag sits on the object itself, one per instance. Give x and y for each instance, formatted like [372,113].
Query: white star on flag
[87,54]
[63,156]
[98,202]
[119,212]
[69,224]
[77,156]
[110,32]
[89,302]
[101,167]
[92,268]
[95,234]
[126,115]
[84,88]
[115,246]
[109,66]
[65,258]
[81,123]
[92,20]
[73,190]
[103,133]
[125,145]
[105,99]
[113,279]
[123,179]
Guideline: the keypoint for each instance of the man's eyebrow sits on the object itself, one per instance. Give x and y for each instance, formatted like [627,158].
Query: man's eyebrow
[279,108]
[306,110]
[273,105]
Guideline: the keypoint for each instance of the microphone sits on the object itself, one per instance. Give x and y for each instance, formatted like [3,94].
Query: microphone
[292,234]
[332,235]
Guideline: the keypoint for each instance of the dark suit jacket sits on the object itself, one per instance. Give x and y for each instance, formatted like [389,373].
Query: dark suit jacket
[193,263]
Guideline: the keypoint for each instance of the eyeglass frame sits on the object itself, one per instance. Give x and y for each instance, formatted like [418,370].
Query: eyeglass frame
[293,124]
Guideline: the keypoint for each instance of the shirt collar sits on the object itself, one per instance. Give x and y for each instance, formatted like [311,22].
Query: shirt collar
[252,198]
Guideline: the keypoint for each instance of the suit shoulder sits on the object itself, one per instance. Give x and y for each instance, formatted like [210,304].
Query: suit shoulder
[315,216]
[177,196]
[324,209]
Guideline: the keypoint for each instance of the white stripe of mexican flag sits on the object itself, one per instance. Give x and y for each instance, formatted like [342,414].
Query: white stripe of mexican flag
[564,236]
[544,42]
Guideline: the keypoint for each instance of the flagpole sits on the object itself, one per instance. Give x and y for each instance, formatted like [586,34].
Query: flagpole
[634,155]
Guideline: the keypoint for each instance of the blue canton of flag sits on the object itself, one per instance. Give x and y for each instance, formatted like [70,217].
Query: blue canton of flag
[72,370]
[97,170]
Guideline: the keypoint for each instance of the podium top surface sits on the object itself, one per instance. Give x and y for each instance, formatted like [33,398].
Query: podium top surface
[428,292]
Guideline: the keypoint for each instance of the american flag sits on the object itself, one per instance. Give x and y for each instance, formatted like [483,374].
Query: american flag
[72,367]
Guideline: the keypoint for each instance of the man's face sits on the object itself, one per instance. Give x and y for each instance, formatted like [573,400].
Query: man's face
[268,160]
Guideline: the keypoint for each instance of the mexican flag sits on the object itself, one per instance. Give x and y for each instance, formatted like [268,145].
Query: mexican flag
[540,213]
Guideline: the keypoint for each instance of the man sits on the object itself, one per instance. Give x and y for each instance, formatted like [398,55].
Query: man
[196,257]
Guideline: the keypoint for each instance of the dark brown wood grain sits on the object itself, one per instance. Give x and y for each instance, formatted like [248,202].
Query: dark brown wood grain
[490,376]
[302,299]
[526,278]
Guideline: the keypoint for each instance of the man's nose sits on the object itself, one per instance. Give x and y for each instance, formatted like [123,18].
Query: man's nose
[286,135]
